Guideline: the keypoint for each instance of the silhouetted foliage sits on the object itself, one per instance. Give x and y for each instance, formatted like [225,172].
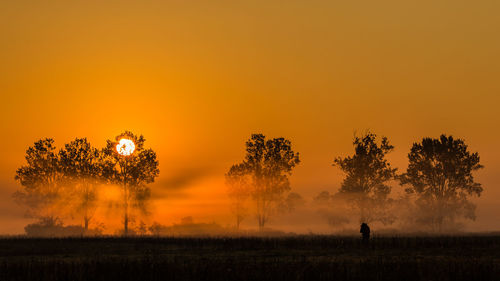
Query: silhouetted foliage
[83,168]
[142,229]
[440,174]
[333,208]
[367,173]
[292,202]
[268,163]
[133,173]
[187,227]
[54,227]
[156,229]
[40,178]
[56,181]
[323,198]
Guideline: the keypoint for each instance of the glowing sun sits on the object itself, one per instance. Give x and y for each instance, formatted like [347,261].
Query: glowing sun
[125,147]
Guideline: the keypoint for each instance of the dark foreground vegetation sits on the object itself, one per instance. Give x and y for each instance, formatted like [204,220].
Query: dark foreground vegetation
[247,258]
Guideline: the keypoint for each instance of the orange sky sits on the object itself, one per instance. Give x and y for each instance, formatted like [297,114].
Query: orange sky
[198,77]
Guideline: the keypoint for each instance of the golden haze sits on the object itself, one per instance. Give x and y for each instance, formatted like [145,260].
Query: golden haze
[198,77]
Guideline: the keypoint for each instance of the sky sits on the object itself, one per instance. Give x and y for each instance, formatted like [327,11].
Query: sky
[197,78]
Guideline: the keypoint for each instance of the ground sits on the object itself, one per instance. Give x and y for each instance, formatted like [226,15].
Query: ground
[252,258]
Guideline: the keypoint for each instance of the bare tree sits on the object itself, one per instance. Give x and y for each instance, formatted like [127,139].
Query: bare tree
[367,173]
[440,174]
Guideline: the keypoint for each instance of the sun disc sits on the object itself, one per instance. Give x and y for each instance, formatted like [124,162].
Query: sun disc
[125,147]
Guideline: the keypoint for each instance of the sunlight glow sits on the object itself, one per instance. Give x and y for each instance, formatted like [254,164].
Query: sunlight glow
[125,147]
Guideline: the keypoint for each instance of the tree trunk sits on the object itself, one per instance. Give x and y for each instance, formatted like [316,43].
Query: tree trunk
[125,200]
[261,223]
[125,214]
[125,223]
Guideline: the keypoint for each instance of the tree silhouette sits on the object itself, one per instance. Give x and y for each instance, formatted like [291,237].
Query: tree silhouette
[333,208]
[237,182]
[83,169]
[40,178]
[268,163]
[292,202]
[367,173]
[440,174]
[132,172]
[323,198]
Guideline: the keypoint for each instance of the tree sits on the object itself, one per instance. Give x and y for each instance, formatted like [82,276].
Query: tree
[142,229]
[133,172]
[332,208]
[322,199]
[237,183]
[41,179]
[440,174]
[83,168]
[292,202]
[268,163]
[157,229]
[367,173]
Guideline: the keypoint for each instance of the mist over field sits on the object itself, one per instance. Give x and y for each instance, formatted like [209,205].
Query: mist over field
[82,190]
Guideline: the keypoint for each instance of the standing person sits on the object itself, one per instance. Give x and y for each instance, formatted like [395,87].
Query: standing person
[365,232]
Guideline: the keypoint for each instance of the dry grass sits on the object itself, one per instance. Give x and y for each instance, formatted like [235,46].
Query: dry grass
[251,258]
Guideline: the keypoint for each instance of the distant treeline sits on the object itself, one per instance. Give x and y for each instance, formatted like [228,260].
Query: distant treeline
[438,185]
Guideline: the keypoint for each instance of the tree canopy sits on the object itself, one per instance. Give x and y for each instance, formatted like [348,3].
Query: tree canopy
[367,172]
[83,169]
[440,173]
[132,172]
[267,163]
[40,178]
[238,190]
[53,181]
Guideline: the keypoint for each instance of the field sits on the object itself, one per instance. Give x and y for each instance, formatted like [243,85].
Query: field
[252,258]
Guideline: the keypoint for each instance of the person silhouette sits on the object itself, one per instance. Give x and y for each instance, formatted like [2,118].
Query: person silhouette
[365,232]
